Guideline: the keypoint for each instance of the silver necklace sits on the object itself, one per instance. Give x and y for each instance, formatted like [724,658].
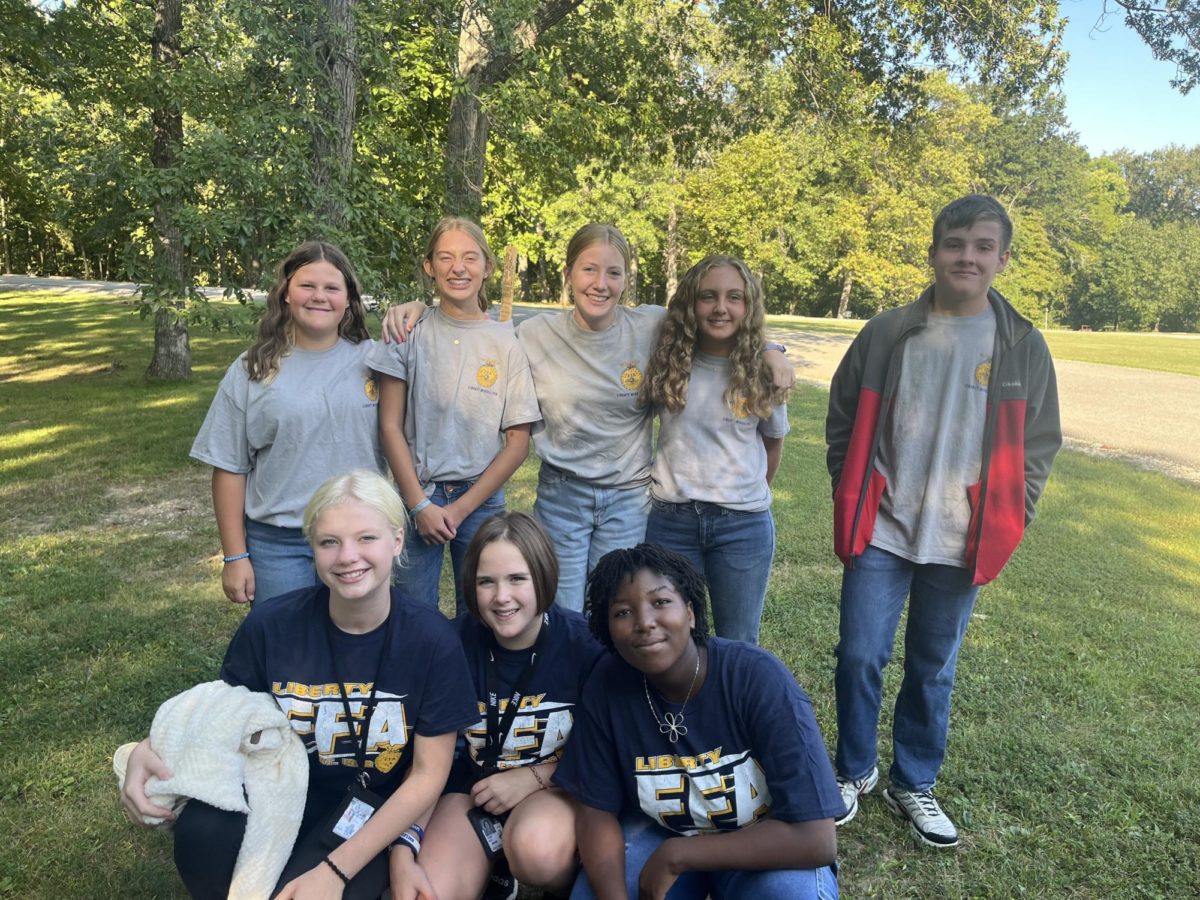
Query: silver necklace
[673,728]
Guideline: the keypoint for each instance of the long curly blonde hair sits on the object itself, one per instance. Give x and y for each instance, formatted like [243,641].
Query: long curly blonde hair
[670,368]
[277,331]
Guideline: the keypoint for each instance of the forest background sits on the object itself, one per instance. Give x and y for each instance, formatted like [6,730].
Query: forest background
[191,143]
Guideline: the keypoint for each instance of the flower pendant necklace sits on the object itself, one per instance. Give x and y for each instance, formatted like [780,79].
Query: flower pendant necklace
[673,727]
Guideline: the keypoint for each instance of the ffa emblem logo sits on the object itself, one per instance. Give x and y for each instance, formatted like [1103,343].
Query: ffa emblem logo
[631,378]
[386,761]
[983,372]
[371,389]
[738,407]
[486,375]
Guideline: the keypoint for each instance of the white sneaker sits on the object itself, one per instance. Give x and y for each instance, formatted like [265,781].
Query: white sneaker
[852,790]
[925,817]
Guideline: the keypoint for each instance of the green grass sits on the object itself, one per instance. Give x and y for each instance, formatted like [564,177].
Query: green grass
[1072,761]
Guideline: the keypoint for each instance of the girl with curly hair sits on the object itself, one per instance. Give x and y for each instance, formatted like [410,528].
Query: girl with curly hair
[720,440]
[297,407]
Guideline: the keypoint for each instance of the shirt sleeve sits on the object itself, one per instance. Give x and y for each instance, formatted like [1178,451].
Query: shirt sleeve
[448,703]
[776,425]
[391,359]
[222,441]
[245,657]
[520,399]
[589,769]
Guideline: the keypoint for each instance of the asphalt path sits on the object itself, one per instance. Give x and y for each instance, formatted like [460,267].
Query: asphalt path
[1151,419]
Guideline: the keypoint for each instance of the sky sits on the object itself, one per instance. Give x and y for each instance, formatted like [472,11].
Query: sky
[1118,94]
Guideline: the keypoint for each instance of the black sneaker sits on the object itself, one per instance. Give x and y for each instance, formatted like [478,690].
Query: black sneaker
[501,885]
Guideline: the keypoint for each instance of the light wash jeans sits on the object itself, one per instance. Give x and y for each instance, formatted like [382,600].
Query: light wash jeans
[643,836]
[585,521]
[419,575]
[731,549]
[281,558]
[940,600]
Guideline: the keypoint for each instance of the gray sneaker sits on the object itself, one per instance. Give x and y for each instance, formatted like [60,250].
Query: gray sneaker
[852,790]
[925,817]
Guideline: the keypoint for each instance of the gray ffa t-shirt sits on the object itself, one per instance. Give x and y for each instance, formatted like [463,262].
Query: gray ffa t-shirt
[587,384]
[467,382]
[932,446]
[710,451]
[318,417]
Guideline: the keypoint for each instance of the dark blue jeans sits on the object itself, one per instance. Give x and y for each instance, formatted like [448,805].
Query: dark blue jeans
[731,549]
[940,600]
[281,558]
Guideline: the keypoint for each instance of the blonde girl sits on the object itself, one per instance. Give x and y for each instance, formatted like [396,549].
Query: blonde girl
[517,642]
[720,440]
[376,687]
[456,409]
[588,364]
[298,406]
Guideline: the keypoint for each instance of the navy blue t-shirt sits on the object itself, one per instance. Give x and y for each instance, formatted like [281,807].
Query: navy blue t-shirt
[752,747]
[283,648]
[546,715]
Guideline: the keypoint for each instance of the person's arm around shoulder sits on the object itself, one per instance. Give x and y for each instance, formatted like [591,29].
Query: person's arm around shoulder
[783,373]
[1043,429]
[399,321]
[602,851]
[432,756]
[229,504]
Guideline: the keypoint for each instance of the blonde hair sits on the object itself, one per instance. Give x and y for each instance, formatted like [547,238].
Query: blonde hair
[276,331]
[600,233]
[670,366]
[475,233]
[359,486]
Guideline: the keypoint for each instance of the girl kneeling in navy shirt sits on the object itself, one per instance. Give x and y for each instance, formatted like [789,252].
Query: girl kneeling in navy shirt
[697,761]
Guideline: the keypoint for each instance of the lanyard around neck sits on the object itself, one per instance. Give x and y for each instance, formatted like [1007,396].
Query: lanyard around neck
[498,727]
[363,734]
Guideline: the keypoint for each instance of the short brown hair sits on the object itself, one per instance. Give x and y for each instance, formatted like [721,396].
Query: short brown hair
[525,533]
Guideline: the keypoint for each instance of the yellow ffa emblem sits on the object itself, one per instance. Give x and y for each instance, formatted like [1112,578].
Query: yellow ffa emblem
[486,375]
[631,378]
[386,761]
[983,372]
[371,389]
[738,407]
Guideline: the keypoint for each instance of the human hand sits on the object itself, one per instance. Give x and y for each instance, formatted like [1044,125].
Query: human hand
[318,883]
[783,373]
[237,581]
[409,881]
[434,525]
[660,871]
[501,792]
[398,321]
[142,765]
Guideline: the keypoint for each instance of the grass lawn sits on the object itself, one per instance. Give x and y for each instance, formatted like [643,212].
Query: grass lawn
[1073,758]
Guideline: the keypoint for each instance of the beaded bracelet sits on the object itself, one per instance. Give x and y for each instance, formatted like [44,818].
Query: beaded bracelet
[340,874]
[538,778]
[235,557]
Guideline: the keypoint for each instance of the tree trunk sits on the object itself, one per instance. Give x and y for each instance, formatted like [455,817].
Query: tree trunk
[508,283]
[172,352]
[336,49]
[632,290]
[843,306]
[671,256]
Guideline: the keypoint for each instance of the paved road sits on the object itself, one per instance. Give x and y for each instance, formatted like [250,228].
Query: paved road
[1150,418]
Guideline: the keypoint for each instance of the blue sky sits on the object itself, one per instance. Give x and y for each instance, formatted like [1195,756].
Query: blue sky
[1118,94]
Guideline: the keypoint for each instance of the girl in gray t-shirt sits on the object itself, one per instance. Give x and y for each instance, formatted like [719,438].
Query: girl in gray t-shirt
[295,409]
[720,439]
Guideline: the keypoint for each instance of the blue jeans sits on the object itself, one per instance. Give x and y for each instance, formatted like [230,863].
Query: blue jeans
[643,836]
[421,571]
[731,549]
[281,558]
[585,521]
[940,602]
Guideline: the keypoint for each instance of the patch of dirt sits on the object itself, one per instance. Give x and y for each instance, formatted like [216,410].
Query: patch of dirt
[1148,463]
[171,507]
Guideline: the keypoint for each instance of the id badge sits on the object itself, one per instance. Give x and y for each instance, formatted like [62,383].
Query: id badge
[489,830]
[351,815]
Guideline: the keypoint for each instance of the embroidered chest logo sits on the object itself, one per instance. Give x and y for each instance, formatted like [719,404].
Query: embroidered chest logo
[487,374]
[371,389]
[738,408]
[631,378]
[983,372]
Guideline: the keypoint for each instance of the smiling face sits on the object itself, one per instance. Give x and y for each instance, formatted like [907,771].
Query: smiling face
[458,267]
[720,309]
[651,626]
[317,299]
[597,281]
[353,548]
[964,263]
[505,595]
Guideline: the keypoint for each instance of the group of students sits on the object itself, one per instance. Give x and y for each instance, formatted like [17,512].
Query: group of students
[678,740]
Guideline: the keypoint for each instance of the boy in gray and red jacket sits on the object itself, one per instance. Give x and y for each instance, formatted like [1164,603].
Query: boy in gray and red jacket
[942,427]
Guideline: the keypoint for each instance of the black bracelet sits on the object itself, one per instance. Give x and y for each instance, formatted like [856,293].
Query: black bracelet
[340,874]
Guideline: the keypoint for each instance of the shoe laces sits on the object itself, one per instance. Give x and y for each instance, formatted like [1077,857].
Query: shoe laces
[927,804]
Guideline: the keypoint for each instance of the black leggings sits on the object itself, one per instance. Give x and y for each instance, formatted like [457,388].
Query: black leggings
[207,841]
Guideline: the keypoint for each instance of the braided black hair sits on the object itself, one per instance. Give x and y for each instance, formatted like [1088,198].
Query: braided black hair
[614,567]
